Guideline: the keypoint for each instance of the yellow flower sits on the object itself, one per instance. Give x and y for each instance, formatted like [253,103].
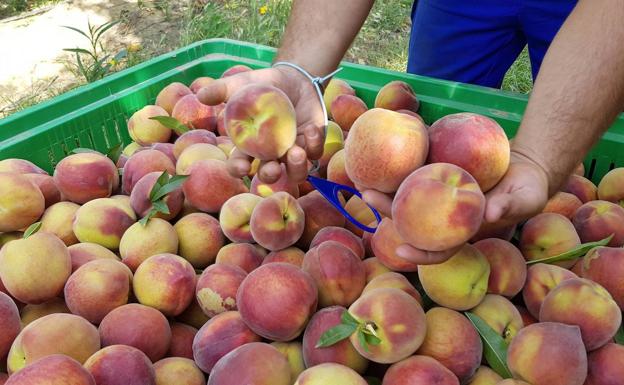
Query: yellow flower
[264,9]
[134,47]
[112,62]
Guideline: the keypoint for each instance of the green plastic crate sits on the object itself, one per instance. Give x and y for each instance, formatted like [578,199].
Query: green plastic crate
[95,115]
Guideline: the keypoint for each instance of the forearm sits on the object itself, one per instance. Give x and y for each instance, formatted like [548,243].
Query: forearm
[578,92]
[319,32]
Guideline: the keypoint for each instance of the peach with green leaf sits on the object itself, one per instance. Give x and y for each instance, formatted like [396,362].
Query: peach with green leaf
[145,131]
[145,239]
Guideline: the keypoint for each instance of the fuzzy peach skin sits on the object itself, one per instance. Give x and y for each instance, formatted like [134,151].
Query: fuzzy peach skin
[500,314]
[292,255]
[460,283]
[511,381]
[194,114]
[341,352]
[217,287]
[319,213]
[340,235]
[508,269]
[35,269]
[438,207]
[345,109]
[583,188]
[384,243]
[293,353]
[399,321]
[81,253]
[145,131]
[193,315]
[196,152]
[260,120]
[56,369]
[226,145]
[235,216]
[235,70]
[611,187]
[200,83]
[473,142]
[30,313]
[339,274]
[139,326]
[178,371]
[548,353]
[336,171]
[264,190]
[563,203]
[243,255]
[597,220]
[605,266]
[277,221]
[199,239]
[582,302]
[334,142]
[20,166]
[9,323]
[121,365]
[546,235]
[141,242]
[97,288]
[182,336]
[334,88]
[254,363]
[53,334]
[141,203]
[397,95]
[57,219]
[419,369]
[86,176]
[193,137]
[165,282]
[141,163]
[383,148]
[21,202]
[47,186]
[606,365]
[219,336]
[374,268]
[277,300]
[541,279]
[330,374]
[393,280]
[199,187]
[103,221]
[485,376]
[169,95]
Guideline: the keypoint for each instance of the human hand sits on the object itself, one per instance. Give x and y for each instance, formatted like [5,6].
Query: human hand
[310,120]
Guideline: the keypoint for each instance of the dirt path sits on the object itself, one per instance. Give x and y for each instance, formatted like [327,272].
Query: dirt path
[33,65]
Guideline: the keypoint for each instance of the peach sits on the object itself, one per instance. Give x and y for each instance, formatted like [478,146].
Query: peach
[582,187]
[97,288]
[142,163]
[81,253]
[511,381]
[605,365]
[219,336]
[460,283]
[293,353]
[121,365]
[193,315]
[546,235]
[361,212]
[20,166]
[30,313]
[334,88]
[340,235]
[339,274]
[3,378]
[86,176]
[330,374]
[541,279]
[597,220]
[289,298]
[611,187]
[485,376]
[141,242]
[235,70]
[195,115]
[217,287]
[419,369]
[139,326]
[165,148]
[494,230]
[165,282]
[47,186]
[384,243]
[413,114]
[221,123]
[336,171]
[103,221]
[196,152]
[345,109]
[548,353]
[53,334]
[398,320]
[226,145]
[563,203]
[277,221]
[397,95]
[282,184]
[243,255]
[438,207]
[10,236]
[598,317]
[57,219]
[292,255]
[56,369]
[145,131]
[140,198]
[374,268]
[260,120]
[334,142]
[131,148]
[527,318]
[193,137]
[500,314]
[383,148]
[394,280]
[200,83]
[35,269]
[182,336]
[319,213]
[199,188]
[508,270]
[21,202]
[605,266]
[199,239]
[473,142]
[9,324]
[169,96]
[178,371]
[253,363]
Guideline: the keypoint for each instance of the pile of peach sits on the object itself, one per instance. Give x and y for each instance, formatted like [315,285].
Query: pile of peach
[237,281]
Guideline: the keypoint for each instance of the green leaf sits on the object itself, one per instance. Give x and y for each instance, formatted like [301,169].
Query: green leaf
[32,229]
[162,180]
[160,206]
[171,123]
[173,184]
[247,181]
[619,336]
[76,30]
[80,150]
[103,28]
[362,339]
[576,252]
[371,339]
[347,319]
[115,152]
[335,335]
[494,346]
[78,50]
[143,221]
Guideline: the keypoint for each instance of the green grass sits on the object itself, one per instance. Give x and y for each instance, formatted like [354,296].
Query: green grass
[518,78]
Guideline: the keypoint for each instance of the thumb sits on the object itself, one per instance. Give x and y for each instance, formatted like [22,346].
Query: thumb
[498,206]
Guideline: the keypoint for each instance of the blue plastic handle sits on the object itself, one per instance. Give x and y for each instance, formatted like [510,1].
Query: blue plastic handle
[330,191]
